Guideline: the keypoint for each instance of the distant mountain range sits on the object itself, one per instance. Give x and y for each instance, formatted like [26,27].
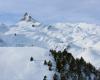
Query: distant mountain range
[82,38]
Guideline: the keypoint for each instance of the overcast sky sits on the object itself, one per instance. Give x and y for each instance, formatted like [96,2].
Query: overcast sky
[51,11]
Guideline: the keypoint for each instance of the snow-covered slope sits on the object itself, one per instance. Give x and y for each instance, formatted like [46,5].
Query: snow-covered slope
[82,39]
[15,63]
[29,38]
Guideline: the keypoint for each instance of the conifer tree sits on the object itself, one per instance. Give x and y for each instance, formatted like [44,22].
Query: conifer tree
[50,63]
[45,77]
[45,62]
[55,77]
[31,59]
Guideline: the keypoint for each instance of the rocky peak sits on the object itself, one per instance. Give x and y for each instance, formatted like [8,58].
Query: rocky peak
[28,17]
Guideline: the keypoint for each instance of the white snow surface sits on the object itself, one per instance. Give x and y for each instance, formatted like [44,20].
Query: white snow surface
[15,63]
[83,38]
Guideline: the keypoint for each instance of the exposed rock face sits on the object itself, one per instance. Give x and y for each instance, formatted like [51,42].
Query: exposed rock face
[27,17]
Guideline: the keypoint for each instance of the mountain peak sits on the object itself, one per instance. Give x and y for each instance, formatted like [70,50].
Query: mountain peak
[28,17]
[26,14]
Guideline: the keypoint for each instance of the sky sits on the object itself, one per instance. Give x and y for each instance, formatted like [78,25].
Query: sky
[51,11]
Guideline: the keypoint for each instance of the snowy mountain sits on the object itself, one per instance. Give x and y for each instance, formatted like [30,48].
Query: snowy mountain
[83,38]
[80,39]
[15,63]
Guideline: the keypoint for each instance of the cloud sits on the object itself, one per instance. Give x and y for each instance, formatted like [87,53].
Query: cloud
[53,10]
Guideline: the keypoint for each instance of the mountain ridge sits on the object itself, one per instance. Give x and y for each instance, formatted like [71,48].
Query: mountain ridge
[83,38]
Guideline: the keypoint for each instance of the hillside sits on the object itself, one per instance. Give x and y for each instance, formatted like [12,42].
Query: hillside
[83,38]
[29,38]
[15,63]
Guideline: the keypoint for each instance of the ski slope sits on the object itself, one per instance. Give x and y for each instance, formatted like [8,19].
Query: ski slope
[15,63]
